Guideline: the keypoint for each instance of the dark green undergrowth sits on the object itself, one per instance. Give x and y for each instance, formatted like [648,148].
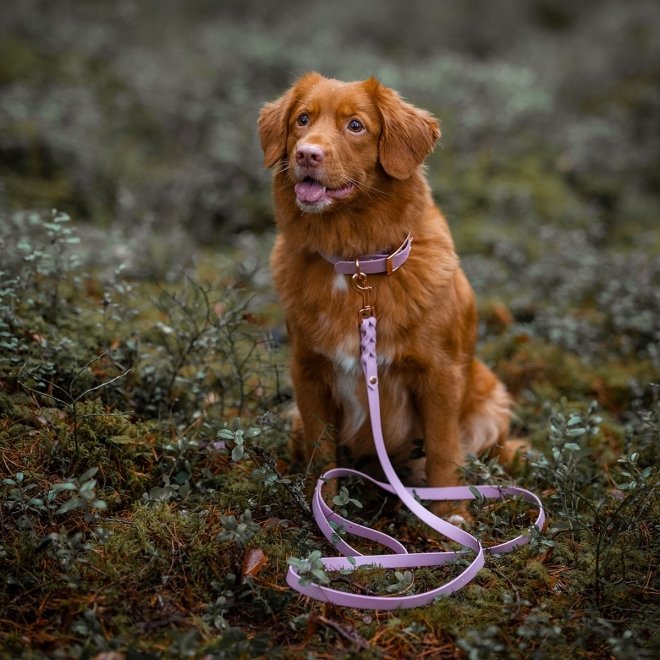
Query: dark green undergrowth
[147,506]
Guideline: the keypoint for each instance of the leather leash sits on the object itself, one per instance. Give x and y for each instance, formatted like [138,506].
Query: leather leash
[329,521]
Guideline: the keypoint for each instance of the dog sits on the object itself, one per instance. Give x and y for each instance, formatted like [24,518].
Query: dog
[348,182]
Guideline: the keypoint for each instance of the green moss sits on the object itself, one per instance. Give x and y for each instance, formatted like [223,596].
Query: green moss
[537,574]
[549,182]
[162,545]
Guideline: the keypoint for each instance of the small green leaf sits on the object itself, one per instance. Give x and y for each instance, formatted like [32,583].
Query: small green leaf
[572,446]
[157,493]
[64,485]
[70,505]
[475,491]
[321,576]
[88,486]
[88,474]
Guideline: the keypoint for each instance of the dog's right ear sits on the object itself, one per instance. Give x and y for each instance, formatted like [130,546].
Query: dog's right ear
[408,135]
[274,119]
[273,128]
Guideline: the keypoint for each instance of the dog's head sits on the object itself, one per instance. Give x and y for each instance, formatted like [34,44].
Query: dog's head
[336,140]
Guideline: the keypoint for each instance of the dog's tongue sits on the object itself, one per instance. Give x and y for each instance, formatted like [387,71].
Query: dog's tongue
[309,191]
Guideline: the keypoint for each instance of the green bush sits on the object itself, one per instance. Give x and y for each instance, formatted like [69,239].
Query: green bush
[549,110]
[147,505]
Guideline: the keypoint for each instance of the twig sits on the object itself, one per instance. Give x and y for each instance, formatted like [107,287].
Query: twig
[351,636]
[512,587]
[105,384]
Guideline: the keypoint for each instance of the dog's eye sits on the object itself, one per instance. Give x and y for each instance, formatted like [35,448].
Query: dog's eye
[303,119]
[355,126]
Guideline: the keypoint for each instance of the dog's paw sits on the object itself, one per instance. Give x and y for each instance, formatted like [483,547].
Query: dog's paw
[513,454]
[458,520]
[455,513]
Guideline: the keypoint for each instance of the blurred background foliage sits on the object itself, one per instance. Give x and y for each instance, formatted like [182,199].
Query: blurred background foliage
[142,114]
[134,336]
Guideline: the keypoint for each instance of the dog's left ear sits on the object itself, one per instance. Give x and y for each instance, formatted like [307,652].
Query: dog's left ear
[273,128]
[408,135]
[274,117]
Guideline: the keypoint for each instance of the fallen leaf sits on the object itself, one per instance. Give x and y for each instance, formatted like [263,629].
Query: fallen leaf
[254,561]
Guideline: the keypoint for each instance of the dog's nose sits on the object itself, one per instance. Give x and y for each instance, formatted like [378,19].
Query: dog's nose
[309,155]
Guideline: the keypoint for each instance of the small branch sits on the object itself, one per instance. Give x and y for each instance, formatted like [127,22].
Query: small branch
[102,385]
[350,635]
[50,396]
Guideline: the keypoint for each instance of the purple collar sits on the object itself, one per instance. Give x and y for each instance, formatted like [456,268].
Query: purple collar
[373,264]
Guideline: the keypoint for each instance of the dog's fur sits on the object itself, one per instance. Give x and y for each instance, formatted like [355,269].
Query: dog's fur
[431,384]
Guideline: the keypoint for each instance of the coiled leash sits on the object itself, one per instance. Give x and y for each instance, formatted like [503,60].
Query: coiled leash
[329,521]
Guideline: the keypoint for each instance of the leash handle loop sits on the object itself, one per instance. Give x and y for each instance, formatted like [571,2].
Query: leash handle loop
[329,521]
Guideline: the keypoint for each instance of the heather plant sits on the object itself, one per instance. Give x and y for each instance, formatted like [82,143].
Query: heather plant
[178,477]
[67,397]
[87,413]
[38,260]
[148,504]
[82,495]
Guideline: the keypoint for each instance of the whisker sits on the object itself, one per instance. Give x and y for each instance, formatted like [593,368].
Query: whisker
[368,189]
[283,167]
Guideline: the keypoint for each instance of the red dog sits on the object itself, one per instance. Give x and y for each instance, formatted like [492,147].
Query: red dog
[349,182]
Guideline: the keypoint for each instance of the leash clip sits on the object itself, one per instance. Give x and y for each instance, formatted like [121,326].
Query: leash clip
[359,282]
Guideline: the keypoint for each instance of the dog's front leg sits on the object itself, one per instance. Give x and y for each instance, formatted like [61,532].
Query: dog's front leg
[438,395]
[316,441]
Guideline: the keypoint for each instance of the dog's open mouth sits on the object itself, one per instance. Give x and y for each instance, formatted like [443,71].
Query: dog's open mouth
[311,191]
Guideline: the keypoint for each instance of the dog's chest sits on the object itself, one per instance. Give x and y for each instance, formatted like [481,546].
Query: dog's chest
[336,334]
[338,339]
[327,323]
[348,388]
[349,392]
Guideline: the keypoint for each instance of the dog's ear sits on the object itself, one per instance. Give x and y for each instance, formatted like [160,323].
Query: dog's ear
[273,128]
[408,135]
[274,119]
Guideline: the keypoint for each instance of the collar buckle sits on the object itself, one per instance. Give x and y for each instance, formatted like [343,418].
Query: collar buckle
[390,266]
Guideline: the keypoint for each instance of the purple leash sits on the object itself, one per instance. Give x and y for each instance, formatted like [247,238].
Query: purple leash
[329,521]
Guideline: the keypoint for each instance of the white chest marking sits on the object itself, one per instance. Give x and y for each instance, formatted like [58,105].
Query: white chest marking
[348,374]
[340,283]
[346,364]
[354,413]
